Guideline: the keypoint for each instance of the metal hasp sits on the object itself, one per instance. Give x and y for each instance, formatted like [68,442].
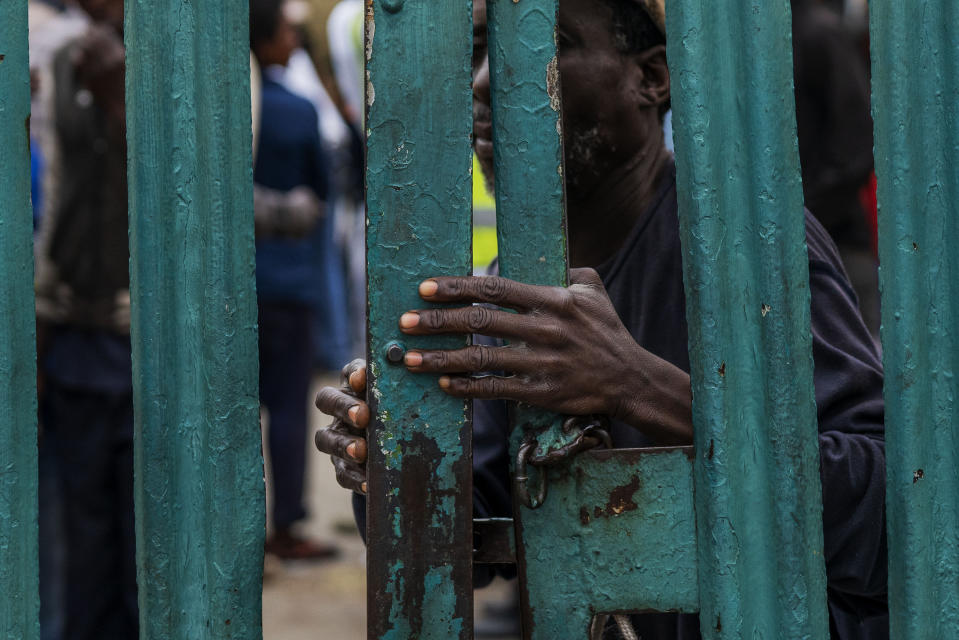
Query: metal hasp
[19,568]
[419,197]
[198,468]
[916,109]
[758,496]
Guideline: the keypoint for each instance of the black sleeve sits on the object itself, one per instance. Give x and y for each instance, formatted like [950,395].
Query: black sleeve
[848,379]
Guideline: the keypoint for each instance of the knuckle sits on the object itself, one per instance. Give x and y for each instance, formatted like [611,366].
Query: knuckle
[325,399]
[342,475]
[487,386]
[479,319]
[432,319]
[478,358]
[441,360]
[493,288]
[584,275]
[353,367]
[552,333]
[565,299]
[323,440]
[453,287]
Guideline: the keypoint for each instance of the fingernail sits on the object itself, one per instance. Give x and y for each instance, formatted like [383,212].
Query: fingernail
[351,450]
[413,359]
[409,320]
[428,288]
[353,412]
[444,382]
[363,487]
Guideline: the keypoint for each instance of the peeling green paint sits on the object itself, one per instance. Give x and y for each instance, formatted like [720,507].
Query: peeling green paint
[19,567]
[758,496]
[198,468]
[916,110]
[419,196]
[438,602]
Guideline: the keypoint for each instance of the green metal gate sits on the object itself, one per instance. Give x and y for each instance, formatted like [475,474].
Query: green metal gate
[748,571]
[747,552]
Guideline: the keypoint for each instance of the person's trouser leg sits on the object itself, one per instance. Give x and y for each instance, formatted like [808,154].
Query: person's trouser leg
[94,431]
[285,372]
[52,544]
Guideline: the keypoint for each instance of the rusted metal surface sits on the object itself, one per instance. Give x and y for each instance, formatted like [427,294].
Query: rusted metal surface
[419,196]
[617,533]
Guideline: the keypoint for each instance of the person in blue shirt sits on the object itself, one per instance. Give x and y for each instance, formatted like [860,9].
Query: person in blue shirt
[290,187]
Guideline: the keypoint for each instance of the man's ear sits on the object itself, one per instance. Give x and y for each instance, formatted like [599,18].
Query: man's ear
[654,88]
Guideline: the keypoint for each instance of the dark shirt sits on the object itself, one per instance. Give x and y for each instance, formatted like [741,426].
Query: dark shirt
[644,281]
[290,155]
[87,345]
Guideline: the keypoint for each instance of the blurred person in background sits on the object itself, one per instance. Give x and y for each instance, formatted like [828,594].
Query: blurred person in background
[835,141]
[83,323]
[344,33]
[51,25]
[290,190]
[334,336]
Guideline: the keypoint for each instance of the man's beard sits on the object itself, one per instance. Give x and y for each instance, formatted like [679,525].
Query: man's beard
[585,152]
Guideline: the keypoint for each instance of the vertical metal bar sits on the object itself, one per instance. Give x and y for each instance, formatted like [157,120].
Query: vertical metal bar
[419,195]
[198,467]
[758,496]
[530,197]
[531,232]
[19,568]
[915,49]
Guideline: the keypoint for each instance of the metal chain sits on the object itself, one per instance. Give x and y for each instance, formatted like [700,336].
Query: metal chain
[594,433]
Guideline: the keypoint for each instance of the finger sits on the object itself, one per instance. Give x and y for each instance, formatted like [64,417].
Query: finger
[476,319]
[585,275]
[475,359]
[340,444]
[354,375]
[342,406]
[485,387]
[349,476]
[491,289]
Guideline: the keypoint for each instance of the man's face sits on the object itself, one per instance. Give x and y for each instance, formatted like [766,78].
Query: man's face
[600,87]
[279,48]
[105,11]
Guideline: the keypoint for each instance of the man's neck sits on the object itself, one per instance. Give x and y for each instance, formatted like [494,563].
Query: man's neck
[600,221]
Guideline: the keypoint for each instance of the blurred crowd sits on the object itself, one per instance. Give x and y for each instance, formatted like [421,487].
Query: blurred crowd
[308,107]
[306,90]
